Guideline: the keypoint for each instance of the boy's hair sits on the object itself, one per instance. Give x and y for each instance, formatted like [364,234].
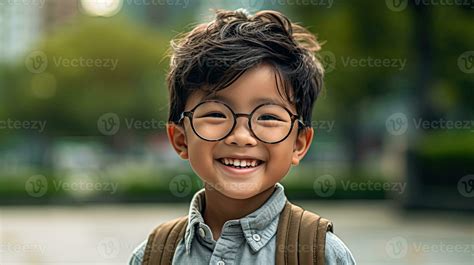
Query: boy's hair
[212,56]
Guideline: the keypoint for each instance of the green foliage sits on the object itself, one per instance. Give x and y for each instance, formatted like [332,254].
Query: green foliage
[80,94]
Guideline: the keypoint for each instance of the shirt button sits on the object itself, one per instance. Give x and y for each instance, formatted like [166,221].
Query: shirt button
[202,233]
[220,262]
[256,237]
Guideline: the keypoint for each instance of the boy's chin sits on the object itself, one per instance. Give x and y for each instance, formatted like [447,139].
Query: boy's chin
[241,192]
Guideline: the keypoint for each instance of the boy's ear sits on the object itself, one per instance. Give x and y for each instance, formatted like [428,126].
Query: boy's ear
[302,144]
[177,138]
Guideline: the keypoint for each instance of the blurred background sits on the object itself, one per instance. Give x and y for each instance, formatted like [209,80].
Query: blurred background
[86,170]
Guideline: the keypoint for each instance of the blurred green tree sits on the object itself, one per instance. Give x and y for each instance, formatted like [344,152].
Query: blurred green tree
[95,66]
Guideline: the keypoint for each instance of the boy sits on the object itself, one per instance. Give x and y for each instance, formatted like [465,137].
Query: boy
[242,89]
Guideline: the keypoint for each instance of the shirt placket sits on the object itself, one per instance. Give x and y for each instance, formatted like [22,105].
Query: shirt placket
[225,249]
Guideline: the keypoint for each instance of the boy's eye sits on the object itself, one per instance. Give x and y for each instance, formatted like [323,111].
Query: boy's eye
[269,117]
[215,115]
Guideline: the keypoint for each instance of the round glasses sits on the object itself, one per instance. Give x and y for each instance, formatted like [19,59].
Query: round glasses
[213,120]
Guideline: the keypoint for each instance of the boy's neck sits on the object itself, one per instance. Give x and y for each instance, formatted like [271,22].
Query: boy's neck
[219,208]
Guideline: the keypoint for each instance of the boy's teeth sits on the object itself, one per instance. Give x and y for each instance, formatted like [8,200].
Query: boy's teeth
[239,163]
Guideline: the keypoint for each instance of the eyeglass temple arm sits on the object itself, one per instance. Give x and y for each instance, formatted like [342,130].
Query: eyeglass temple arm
[297,117]
[184,114]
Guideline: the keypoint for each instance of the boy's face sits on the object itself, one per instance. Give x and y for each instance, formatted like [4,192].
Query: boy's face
[242,96]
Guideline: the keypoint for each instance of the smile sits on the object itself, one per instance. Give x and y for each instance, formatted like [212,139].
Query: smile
[236,167]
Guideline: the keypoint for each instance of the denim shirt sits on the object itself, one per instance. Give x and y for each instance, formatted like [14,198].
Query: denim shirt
[249,240]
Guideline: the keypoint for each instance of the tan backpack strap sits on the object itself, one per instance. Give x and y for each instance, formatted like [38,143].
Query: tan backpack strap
[287,235]
[163,240]
[301,237]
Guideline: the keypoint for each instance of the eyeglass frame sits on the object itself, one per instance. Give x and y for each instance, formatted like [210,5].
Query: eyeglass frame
[190,113]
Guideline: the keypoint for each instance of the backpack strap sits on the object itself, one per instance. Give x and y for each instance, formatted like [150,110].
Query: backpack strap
[301,237]
[163,241]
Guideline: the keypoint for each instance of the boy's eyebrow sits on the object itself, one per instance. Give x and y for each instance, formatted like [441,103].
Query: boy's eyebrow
[256,101]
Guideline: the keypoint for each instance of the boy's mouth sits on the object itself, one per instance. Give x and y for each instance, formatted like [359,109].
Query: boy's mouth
[240,163]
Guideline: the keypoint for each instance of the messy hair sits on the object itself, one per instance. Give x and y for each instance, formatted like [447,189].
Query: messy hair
[213,55]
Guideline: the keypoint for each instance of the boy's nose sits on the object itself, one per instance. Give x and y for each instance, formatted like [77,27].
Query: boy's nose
[241,134]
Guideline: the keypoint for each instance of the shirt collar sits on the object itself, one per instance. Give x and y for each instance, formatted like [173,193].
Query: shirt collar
[261,222]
